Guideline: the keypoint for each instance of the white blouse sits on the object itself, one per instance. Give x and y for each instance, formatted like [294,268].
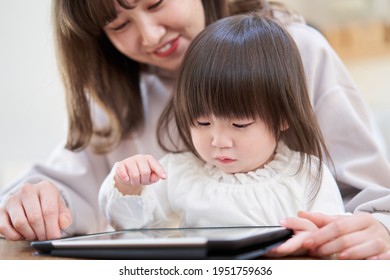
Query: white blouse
[199,194]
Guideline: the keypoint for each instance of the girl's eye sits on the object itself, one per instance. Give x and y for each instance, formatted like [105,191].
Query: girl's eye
[155,5]
[198,123]
[242,125]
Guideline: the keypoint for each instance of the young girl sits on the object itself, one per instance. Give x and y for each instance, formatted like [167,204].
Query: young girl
[252,150]
[119,60]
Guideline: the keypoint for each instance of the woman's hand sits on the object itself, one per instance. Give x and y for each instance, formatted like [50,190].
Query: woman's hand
[35,211]
[302,228]
[356,236]
[136,171]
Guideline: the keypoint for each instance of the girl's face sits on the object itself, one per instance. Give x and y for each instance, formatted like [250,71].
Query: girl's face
[157,32]
[233,145]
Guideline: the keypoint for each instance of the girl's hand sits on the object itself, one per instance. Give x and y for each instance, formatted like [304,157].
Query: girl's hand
[357,236]
[293,246]
[34,211]
[136,171]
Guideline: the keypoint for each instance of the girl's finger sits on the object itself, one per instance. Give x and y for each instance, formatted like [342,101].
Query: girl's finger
[156,167]
[121,172]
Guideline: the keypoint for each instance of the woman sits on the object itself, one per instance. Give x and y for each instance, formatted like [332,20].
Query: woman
[118,60]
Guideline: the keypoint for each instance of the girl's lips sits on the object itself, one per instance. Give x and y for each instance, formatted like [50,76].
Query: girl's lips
[225,160]
[168,48]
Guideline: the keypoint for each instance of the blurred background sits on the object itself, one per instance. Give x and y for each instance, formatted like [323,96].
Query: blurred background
[32,109]
[359,31]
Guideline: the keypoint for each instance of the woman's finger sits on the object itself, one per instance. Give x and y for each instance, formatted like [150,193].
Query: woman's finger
[18,218]
[6,229]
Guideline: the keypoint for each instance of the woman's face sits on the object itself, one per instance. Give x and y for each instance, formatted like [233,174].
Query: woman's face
[157,32]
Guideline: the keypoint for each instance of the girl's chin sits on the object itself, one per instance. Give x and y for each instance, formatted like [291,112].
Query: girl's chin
[230,170]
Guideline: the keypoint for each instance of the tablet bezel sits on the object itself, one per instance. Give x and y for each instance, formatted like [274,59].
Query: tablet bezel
[251,236]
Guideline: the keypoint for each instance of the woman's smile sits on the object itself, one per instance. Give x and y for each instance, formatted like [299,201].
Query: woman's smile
[168,48]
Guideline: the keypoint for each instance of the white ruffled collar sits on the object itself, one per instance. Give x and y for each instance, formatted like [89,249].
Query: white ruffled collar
[282,160]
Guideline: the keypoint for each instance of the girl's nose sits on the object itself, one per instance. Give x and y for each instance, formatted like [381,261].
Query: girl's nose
[221,141]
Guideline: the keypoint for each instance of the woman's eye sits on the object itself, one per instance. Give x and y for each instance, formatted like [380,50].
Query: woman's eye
[121,26]
[155,5]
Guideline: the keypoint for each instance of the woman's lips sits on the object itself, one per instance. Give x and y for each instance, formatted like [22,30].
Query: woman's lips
[168,48]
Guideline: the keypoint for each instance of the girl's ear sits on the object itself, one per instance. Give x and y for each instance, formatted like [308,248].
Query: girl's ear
[284,126]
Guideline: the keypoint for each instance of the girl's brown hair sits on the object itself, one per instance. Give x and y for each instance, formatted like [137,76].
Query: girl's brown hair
[95,72]
[246,66]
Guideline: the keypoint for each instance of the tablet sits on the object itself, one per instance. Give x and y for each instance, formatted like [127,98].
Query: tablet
[170,243]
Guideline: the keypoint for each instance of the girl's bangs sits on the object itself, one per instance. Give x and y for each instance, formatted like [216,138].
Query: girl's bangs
[226,84]
[221,95]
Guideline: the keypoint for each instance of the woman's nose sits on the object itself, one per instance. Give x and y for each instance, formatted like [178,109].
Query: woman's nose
[151,32]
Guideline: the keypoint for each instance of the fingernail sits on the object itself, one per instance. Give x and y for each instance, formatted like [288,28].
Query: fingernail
[64,222]
[125,178]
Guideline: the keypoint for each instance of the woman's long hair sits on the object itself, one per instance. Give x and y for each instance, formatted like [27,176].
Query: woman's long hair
[95,72]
